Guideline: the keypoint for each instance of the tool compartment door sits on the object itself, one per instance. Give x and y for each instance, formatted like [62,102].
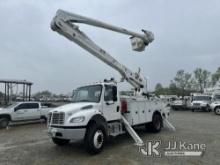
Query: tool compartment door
[134,112]
[142,111]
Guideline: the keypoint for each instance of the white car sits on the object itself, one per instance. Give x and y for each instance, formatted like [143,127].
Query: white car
[215,106]
[22,111]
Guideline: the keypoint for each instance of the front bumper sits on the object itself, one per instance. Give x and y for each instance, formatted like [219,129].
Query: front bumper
[200,107]
[71,133]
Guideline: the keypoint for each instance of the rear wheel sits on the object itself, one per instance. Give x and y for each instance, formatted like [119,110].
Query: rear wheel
[217,110]
[4,122]
[95,139]
[156,124]
[60,142]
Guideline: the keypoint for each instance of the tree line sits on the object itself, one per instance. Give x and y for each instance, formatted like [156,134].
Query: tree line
[185,83]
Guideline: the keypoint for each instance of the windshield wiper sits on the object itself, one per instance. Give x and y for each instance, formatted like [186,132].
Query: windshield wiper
[84,100]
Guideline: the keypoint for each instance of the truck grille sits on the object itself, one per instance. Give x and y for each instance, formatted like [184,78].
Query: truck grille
[196,104]
[57,118]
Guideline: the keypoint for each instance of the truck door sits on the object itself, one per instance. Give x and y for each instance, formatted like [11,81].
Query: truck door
[111,109]
[33,111]
[19,112]
[27,111]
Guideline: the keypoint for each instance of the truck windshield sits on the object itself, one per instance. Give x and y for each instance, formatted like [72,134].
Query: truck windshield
[202,98]
[217,97]
[88,94]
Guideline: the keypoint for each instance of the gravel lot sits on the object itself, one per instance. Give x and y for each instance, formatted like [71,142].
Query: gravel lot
[29,144]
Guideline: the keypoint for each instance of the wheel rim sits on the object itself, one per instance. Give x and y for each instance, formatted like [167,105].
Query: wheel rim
[98,139]
[217,111]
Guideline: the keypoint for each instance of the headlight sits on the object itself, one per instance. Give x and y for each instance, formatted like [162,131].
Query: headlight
[77,119]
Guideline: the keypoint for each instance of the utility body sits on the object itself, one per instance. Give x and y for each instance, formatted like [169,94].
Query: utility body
[98,111]
[23,111]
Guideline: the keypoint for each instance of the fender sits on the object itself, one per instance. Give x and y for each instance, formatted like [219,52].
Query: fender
[157,112]
[5,116]
[99,120]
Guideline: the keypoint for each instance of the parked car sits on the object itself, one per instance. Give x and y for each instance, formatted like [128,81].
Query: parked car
[177,104]
[23,111]
[215,105]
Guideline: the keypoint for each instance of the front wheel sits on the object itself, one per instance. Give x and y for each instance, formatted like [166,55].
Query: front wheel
[217,110]
[95,139]
[60,142]
[4,122]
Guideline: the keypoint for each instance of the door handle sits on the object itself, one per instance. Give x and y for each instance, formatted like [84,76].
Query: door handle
[117,109]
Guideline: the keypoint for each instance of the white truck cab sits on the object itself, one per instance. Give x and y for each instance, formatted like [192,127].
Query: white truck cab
[200,102]
[98,112]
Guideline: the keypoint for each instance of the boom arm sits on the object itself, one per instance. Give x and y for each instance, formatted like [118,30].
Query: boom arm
[63,23]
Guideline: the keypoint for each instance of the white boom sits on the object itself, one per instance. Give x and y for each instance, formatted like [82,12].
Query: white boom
[63,23]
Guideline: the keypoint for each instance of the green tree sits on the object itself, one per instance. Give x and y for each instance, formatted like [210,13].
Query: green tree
[173,90]
[202,78]
[158,89]
[45,93]
[182,81]
[216,76]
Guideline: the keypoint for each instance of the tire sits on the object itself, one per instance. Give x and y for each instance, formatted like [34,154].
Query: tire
[44,118]
[95,139]
[208,109]
[157,123]
[4,122]
[193,110]
[217,110]
[60,142]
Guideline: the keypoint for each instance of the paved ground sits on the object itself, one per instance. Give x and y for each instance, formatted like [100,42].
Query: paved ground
[29,144]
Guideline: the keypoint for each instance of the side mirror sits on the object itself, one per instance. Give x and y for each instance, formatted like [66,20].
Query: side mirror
[114,92]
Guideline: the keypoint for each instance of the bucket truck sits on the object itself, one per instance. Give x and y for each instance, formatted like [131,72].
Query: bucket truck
[98,111]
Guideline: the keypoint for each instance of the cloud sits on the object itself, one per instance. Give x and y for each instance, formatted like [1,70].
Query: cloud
[186,36]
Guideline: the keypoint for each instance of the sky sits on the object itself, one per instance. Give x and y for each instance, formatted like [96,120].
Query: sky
[186,34]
